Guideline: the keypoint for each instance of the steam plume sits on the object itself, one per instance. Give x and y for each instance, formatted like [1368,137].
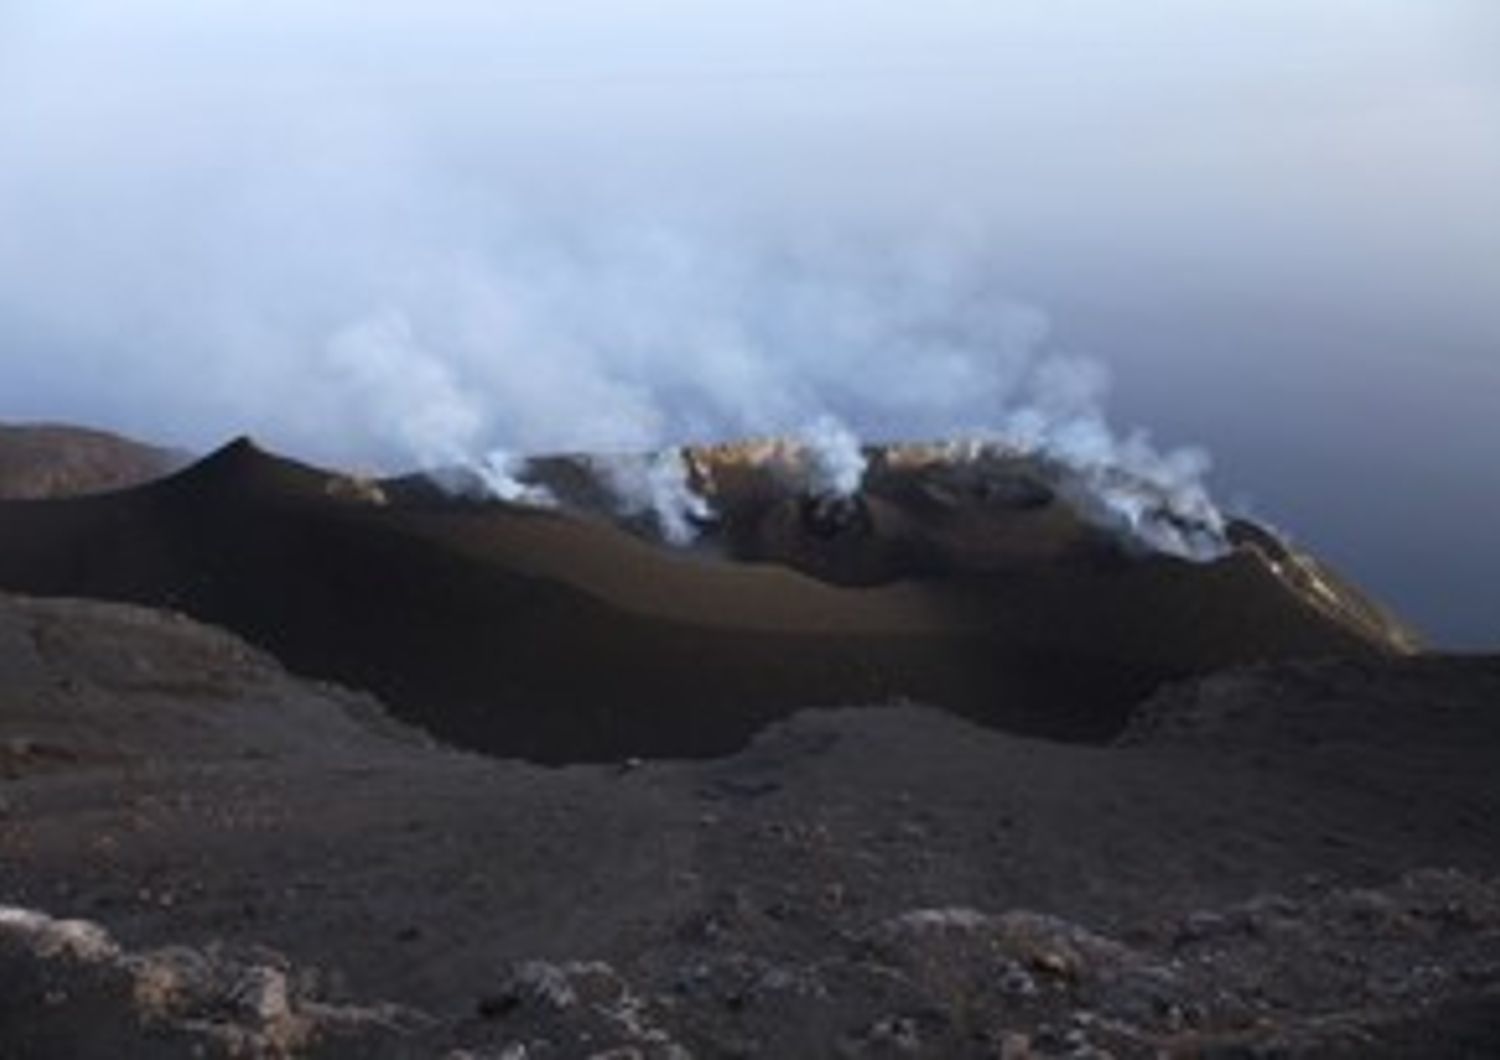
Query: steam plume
[835,462]
[499,474]
[648,342]
[657,483]
[1157,498]
[411,395]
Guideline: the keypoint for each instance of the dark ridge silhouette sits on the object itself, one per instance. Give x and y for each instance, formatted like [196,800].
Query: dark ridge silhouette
[51,460]
[558,637]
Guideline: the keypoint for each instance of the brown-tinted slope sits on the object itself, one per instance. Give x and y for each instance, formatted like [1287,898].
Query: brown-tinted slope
[50,460]
[559,638]
[932,512]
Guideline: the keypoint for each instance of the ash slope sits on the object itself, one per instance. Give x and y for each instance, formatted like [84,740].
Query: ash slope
[52,460]
[1295,859]
[558,637]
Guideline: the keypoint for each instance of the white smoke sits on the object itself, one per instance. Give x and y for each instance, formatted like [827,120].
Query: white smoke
[657,483]
[404,392]
[639,353]
[835,463]
[499,473]
[1157,498]
[408,394]
[632,340]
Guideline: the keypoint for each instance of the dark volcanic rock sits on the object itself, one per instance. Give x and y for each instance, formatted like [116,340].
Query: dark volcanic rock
[1295,860]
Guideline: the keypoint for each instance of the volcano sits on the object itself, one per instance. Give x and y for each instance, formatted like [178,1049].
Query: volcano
[566,635]
[944,767]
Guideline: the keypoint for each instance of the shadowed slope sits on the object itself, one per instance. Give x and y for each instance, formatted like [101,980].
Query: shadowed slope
[559,638]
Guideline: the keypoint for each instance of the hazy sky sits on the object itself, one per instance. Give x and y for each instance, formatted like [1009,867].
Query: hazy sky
[350,226]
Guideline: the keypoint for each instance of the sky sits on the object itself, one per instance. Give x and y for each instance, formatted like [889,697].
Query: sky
[380,233]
